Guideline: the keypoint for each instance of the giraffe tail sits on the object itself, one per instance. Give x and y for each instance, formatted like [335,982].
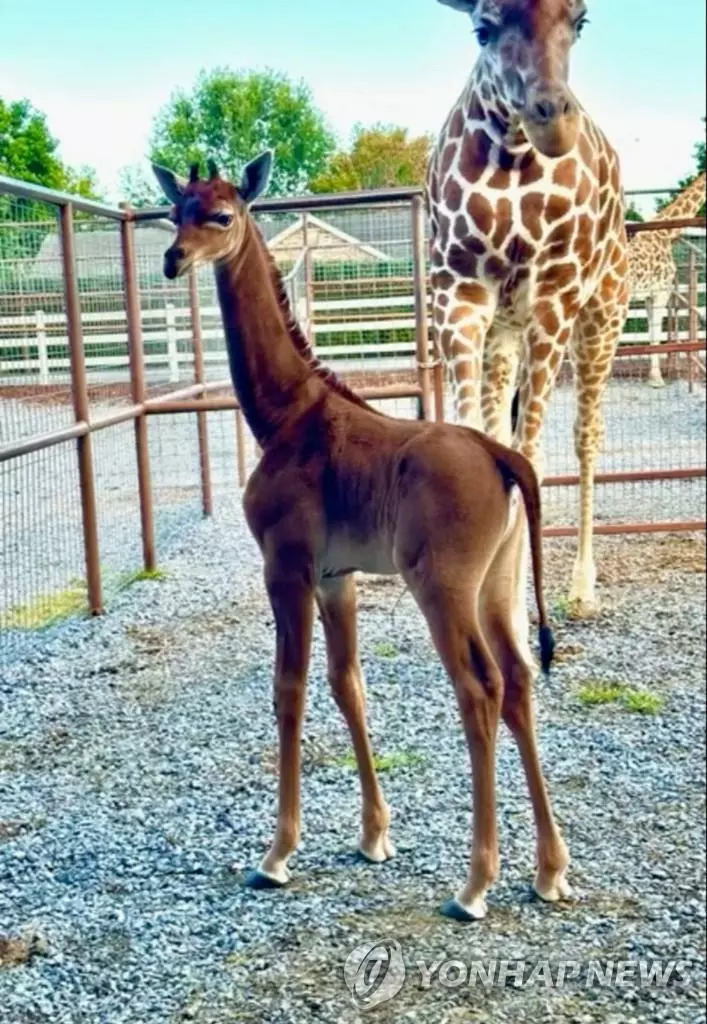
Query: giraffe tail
[516,469]
[515,411]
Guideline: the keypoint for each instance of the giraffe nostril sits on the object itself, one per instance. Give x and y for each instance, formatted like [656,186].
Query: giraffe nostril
[544,110]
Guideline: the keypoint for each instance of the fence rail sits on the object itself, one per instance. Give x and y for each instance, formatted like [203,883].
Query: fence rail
[162,433]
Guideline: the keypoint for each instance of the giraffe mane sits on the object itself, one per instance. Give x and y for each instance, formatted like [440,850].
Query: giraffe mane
[297,335]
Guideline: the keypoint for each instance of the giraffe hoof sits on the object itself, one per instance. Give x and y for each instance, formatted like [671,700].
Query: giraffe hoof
[581,608]
[454,911]
[553,891]
[377,852]
[260,881]
[655,382]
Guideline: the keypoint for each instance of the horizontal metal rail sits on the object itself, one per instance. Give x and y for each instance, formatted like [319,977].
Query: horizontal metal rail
[623,529]
[39,194]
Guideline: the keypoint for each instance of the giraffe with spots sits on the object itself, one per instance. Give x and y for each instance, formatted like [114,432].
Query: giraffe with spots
[652,269]
[528,249]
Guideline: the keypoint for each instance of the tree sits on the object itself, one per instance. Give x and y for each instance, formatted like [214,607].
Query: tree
[140,188]
[700,154]
[632,213]
[381,156]
[28,151]
[232,116]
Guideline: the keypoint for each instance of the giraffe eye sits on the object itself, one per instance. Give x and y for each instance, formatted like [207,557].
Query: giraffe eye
[485,33]
[581,24]
[222,219]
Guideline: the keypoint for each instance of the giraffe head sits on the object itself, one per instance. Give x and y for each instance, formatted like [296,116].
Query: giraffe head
[525,57]
[210,215]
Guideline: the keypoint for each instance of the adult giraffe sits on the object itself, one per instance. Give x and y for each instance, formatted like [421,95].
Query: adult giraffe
[528,246]
[653,273]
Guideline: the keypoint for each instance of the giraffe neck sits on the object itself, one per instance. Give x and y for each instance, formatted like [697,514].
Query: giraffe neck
[275,374]
[688,203]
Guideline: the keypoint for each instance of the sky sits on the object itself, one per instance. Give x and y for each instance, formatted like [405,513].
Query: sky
[101,71]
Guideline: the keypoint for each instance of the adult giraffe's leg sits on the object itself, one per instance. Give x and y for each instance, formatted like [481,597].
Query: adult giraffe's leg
[656,306]
[597,333]
[463,313]
[292,599]
[500,380]
[337,605]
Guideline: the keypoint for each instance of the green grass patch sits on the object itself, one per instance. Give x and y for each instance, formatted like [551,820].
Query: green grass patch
[638,702]
[129,579]
[51,609]
[385,650]
[48,609]
[643,703]
[387,762]
[596,693]
[561,608]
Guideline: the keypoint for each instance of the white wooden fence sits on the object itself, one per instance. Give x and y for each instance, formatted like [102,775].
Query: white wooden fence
[35,349]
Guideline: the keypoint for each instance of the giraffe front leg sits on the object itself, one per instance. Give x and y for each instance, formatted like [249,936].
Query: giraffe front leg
[655,307]
[463,314]
[597,334]
[292,600]
[544,347]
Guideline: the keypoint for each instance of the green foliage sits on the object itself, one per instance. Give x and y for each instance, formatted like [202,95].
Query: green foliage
[643,703]
[639,702]
[231,116]
[28,151]
[633,214]
[395,761]
[47,609]
[385,649]
[139,187]
[596,693]
[380,157]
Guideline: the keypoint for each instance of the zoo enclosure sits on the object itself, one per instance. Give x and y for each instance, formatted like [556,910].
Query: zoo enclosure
[85,365]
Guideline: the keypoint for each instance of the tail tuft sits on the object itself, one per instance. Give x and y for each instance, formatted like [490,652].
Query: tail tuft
[420,409]
[547,648]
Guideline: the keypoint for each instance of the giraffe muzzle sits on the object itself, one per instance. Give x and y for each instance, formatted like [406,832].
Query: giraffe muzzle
[552,121]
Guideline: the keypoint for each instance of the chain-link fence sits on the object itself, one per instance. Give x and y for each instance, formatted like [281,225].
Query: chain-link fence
[118,424]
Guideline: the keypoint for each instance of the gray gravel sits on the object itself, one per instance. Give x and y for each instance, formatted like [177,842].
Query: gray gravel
[137,785]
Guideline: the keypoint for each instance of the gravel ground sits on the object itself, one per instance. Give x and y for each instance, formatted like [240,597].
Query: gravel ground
[137,786]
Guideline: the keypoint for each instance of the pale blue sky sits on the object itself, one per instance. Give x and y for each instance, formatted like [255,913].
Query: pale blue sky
[101,71]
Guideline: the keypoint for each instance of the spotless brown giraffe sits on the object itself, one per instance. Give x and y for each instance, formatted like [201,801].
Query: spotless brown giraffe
[339,488]
[528,246]
[652,270]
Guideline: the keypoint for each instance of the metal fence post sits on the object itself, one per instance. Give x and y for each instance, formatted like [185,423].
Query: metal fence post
[138,390]
[240,449]
[422,333]
[79,391]
[308,279]
[202,428]
[694,317]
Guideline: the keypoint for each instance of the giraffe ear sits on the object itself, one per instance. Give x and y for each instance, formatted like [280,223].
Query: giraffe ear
[172,186]
[467,6]
[256,177]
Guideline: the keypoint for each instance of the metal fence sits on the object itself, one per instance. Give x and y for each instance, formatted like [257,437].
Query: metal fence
[118,424]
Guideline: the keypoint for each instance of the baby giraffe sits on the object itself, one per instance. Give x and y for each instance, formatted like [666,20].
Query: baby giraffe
[342,488]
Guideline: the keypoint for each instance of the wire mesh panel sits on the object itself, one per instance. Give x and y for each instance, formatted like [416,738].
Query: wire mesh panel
[42,573]
[34,375]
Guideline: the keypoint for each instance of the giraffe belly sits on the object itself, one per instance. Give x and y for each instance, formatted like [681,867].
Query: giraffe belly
[345,555]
